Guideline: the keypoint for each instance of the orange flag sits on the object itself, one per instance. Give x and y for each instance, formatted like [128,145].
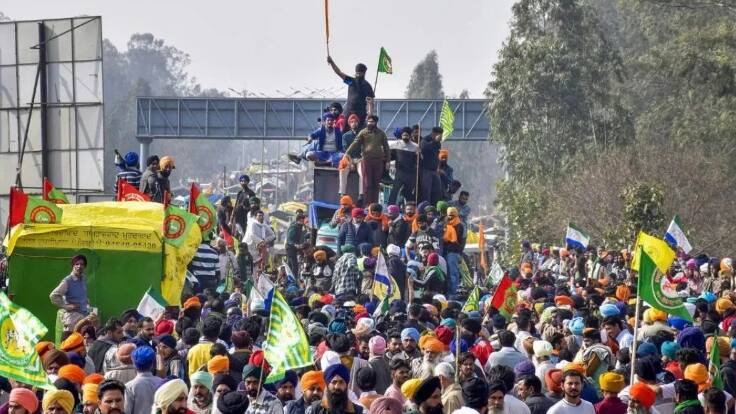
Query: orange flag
[482,249]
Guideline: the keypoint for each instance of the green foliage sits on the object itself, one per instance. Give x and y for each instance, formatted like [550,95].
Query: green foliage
[643,209]
[426,81]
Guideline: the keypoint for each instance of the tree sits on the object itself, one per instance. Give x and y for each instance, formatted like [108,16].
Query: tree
[426,81]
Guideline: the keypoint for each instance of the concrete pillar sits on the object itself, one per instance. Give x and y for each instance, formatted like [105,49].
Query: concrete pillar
[145,151]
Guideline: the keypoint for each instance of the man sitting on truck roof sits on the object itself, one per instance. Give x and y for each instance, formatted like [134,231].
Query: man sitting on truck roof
[324,146]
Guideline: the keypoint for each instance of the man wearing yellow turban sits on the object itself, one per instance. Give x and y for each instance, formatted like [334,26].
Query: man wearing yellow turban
[58,400]
[171,397]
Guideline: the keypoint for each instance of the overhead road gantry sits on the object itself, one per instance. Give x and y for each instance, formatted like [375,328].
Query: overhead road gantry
[288,119]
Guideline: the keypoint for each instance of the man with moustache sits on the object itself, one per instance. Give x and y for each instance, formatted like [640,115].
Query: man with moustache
[261,401]
[360,92]
[336,399]
[200,395]
[404,153]
[572,386]
[313,385]
[111,396]
[496,397]
[170,398]
[428,397]
[285,387]
[373,144]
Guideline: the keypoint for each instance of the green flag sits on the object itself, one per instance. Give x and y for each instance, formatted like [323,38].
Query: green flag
[384,62]
[714,367]
[177,224]
[656,290]
[52,194]
[383,307]
[20,332]
[201,206]
[41,211]
[447,120]
[287,346]
[473,302]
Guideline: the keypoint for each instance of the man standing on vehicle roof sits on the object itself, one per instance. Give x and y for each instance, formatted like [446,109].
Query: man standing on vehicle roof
[360,92]
[239,219]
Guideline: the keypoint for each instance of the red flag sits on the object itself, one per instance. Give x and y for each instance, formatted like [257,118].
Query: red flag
[504,299]
[127,192]
[228,238]
[193,194]
[25,209]
[18,204]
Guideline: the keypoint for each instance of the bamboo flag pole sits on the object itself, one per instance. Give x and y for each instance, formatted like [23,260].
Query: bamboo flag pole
[637,316]
[419,151]
[327,26]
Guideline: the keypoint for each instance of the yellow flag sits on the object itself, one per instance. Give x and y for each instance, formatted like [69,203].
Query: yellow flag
[657,249]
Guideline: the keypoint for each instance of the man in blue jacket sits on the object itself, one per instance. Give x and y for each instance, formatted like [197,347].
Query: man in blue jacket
[324,146]
[354,232]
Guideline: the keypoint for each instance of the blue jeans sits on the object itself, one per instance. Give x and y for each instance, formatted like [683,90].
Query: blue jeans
[453,270]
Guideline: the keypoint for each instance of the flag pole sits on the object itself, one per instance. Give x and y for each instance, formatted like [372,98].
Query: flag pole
[419,151]
[637,315]
[375,84]
[327,27]
[44,194]
[457,353]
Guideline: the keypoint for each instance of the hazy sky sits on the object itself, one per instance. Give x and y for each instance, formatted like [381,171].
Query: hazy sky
[270,46]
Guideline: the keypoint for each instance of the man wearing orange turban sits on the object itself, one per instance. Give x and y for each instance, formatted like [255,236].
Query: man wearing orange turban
[642,396]
[73,373]
[219,364]
[432,349]
[313,385]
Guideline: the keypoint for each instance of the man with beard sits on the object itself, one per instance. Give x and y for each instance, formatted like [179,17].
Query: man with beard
[530,391]
[373,144]
[285,387]
[432,349]
[428,396]
[200,395]
[156,183]
[686,398]
[341,344]
[506,375]
[360,92]
[496,397]
[149,183]
[261,401]
[409,339]
[336,400]
[258,237]
[461,204]
[475,395]
[313,385]
[572,386]
[477,345]
[111,396]
[404,153]
[113,334]
[322,271]
[232,402]
[400,371]
[146,331]
[239,220]
[643,397]
[170,398]
[452,393]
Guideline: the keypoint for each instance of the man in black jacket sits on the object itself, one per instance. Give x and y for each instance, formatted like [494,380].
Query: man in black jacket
[530,392]
[429,164]
[404,154]
[113,334]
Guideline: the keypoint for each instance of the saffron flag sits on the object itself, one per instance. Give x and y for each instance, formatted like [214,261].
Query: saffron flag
[50,193]
[447,120]
[152,304]
[286,346]
[177,224]
[20,331]
[482,248]
[383,284]
[384,62]
[127,192]
[654,288]
[657,249]
[576,238]
[675,235]
[473,301]
[201,206]
[26,209]
[504,299]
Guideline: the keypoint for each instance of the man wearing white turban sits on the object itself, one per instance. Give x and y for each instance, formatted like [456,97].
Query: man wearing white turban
[170,398]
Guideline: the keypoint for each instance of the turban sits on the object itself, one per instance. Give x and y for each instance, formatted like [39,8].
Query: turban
[328,115]
[409,387]
[669,349]
[433,344]
[338,342]
[76,359]
[63,398]
[192,302]
[143,357]
[463,346]
[444,154]
[167,393]
[346,200]
[442,206]
[164,327]
[169,341]
[611,382]
[553,380]
[166,161]
[377,345]
[383,404]
[542,348]
[592,333]
[642,393]
[289,376]
[311,378]
[410,333]
[647,368]
[257,359]
[723,304]
[89,393]
[393,250]
[54,356]
[357,212]
[314,297]
[73,343]
[202,378]
[338,370]
[449,322]
[573,366]
[444,334]
[233,402]
[645,349]
[93,379]
[475,392]
[678,323]
[73,373]
[320,255]
[622,293]
[25,398]
[709,297]
[523,368]
[225,379]
[691,337]
[576,326]
[426,389]
[251,370]
[218,363]
[433,259]
[609,309]
[44,346]
[124,352]
[724,346]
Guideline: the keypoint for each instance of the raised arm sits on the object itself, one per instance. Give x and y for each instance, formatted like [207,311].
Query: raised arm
[337,70]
